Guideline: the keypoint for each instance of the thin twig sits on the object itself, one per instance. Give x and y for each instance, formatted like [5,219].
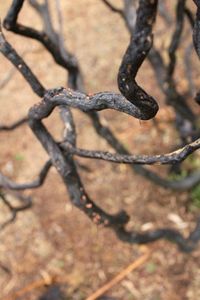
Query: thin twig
[13,125]
[133,266]
[113,8]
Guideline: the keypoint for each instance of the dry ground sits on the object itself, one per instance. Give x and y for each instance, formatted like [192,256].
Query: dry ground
[55,239]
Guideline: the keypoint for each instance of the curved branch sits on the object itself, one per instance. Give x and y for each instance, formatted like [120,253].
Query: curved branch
[66,168]
[14,125]
[87,103]
[185,244]
[185,184]
[6,183]
[141,106]
[137,51]
[107,134]
[113,8]
[27,202]
[50,42]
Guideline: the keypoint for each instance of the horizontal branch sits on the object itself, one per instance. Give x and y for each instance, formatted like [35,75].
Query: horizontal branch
[87,103]
[161,159]
[185,244]
[184,184]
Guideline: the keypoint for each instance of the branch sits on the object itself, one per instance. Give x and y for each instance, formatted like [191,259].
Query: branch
[69,133]
[101,101]
[168,87]
[50,42]
[7,78]
[162,9]
[77,83]
[185,184]
[113,8]
[189,15]
[6,183]
[196,32]
[185,244]
[188,68]
[66,167]
[166,83]
[137,51]
[44,13]
[67,170]
[107,134]
[14,125]
[87,103]
[9,52]
[180,11]
[139,105]
[161,159]
[14,210]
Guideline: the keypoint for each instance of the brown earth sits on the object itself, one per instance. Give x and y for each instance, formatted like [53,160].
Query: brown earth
[54,239]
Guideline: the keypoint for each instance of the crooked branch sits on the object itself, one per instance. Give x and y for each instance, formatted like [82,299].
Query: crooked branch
[161,159]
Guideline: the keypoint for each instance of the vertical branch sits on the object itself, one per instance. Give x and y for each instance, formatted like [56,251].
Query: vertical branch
[66,167]
[137,51]
[180,11]
[196,32]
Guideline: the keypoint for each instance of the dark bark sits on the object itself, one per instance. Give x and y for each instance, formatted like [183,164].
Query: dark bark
[134,101]
[169,158]
[137,51]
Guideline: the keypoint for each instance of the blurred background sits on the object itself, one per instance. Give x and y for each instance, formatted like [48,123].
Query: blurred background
[53,248]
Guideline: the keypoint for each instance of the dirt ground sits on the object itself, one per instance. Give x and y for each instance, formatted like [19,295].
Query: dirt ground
[54,242]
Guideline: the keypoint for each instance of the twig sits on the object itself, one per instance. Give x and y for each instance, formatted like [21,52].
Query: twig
[14,125]
[180,10]
[7,78]
[32,286]
[14,210]
[113,8]
[133,266]
[6,183]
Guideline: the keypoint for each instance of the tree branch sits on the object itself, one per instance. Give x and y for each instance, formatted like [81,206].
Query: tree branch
[6,183]
[161,159]
[27,203]
[113,8]
[9,52]
[14,125]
